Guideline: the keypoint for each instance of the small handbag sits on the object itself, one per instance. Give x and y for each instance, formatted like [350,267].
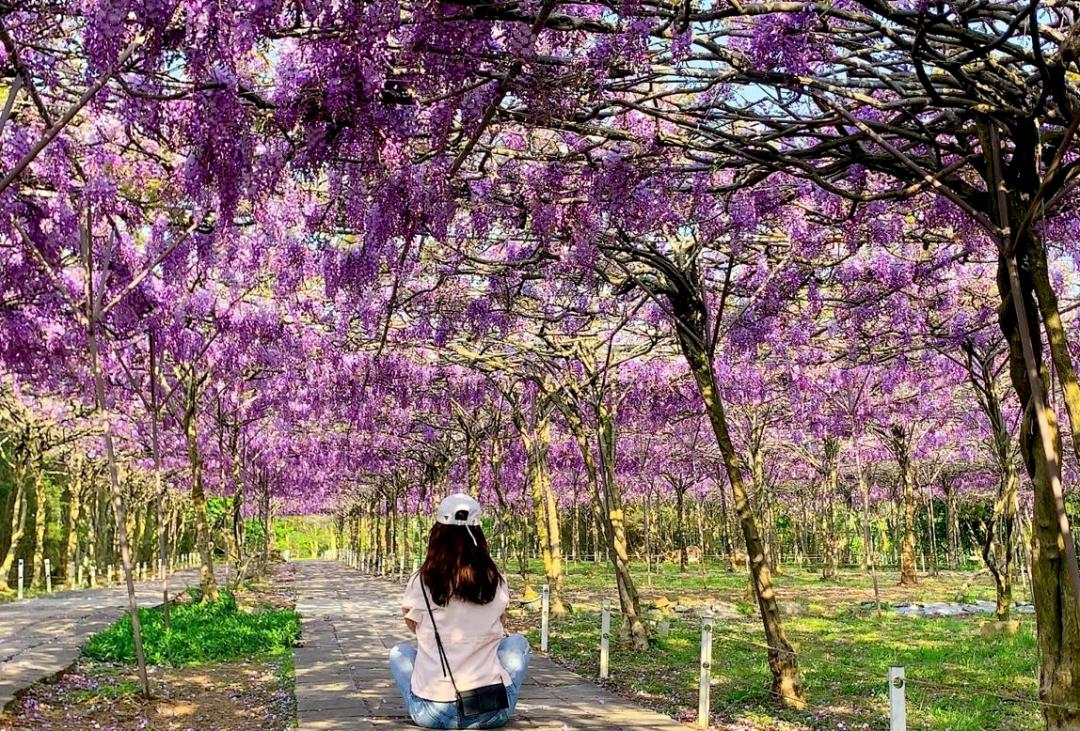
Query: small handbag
[473,702]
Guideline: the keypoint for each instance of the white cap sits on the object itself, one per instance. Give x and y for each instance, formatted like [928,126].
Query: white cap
[453,505]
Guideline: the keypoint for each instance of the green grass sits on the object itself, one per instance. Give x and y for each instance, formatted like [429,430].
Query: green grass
[199,633]
[958,680]
[844,663]
[789,582]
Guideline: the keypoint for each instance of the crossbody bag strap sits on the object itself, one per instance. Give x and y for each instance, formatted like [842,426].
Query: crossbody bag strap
[438,640]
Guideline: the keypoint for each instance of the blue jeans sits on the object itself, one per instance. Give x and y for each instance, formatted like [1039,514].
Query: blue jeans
[513,655]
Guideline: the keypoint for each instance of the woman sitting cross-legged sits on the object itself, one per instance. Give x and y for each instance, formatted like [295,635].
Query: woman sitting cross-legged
[464,672]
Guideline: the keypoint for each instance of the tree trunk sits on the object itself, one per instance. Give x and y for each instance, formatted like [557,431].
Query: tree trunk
[238,514]
[629,600]
[92,317]
[574,528]
[472,466]
[19,514]
[37,559]
[932,529]
[208,581]
[537,441]
[952,525]
[830,484]
[725,524]
[998,554]
[264,484]
[783,664]
[73,492]
[1056,611]
[680,524]
[901,449]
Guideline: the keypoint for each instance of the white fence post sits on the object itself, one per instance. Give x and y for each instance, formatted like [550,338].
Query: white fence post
[897,700]
[48,576]
[71,575]
[415,565]
[705,678]
[401,567]
[93,576]
[20,578]
[82,575]
[109,571]
[605,634]
[545,611]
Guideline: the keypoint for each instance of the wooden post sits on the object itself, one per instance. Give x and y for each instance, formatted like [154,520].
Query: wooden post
[705,678]
[71,575]
[109,572]
[48,576]
[605,635]
[897,700]
[20,578]
[93,576]
[545,610]
[82,574]
[401,567]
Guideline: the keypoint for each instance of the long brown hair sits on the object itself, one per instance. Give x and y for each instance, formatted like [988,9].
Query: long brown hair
[456,567]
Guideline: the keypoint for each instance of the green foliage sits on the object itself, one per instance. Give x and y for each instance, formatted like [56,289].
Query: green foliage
[253,535]
[303,536]
[218,511]
[199,633]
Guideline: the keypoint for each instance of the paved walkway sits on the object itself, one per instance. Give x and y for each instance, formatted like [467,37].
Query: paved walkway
[351,620]
[42,637]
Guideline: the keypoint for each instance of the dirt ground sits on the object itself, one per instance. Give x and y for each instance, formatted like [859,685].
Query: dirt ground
[99,696]
[232,696]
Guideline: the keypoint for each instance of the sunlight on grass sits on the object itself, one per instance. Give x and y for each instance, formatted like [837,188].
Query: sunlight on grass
[844,659]
[199,633]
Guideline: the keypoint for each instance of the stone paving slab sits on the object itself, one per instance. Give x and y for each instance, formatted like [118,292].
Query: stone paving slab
[43,636]
[350,620]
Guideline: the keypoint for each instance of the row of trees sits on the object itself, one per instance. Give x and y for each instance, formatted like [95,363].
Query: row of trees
[344,257]
[54,504]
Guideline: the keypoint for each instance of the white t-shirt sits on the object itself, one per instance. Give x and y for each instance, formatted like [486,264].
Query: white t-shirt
[470,634]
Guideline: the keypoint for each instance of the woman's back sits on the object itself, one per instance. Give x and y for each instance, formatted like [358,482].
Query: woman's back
[475,681]
[470,634]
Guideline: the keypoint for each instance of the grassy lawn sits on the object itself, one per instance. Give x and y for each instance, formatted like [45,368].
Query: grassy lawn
[958,678]
[199,633]
[794,584]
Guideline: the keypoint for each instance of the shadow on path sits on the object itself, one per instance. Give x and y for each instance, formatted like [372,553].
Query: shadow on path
[350,622]
[42,637]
